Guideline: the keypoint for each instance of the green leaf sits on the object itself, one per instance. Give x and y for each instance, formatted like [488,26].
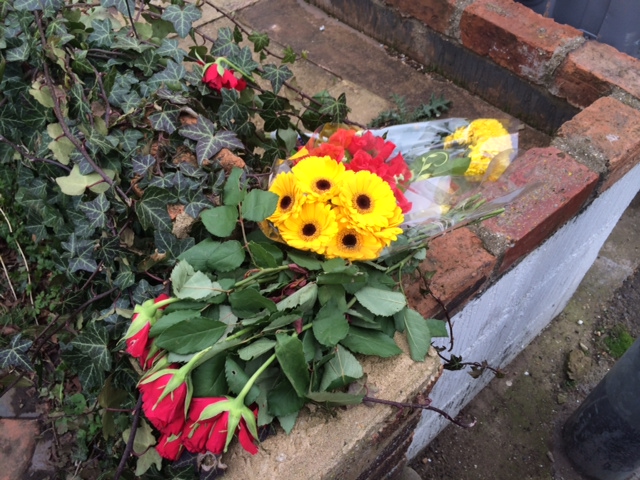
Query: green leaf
[142,163]
[335,398]
[370,342]
[438,328]
[287,422]
[341,370]
[209,378]
[208,141]
[255,349]
[146,460]
[260,41]
[226,256]
[243,59]
[233,189]
[197,287]
[418,334]
[60,146]
[32,5]
[304,297]
[283,399]
[198,255]
[330,325]
[246,303]
[75,183]
[291,358]
[305,260]
[262,257]
[144,437]
[95,211]
[15,355]
[277,76]
[191,336]
[125,7]
[152,209]
[90,356]
[102,35]
[381,302]
[237,379]
[170,319]
[259,205]
[182,19]
[165,120]
[220,221]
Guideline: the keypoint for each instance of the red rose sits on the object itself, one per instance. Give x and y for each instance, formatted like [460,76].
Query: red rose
[197,433]
[139,344]
[227,79]
[169,446]
[168,415]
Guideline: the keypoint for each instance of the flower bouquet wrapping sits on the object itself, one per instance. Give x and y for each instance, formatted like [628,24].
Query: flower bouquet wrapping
[297,282]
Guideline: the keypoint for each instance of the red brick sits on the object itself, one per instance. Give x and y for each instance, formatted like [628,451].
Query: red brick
[515,37]
[610,130]
[436,14]
[461,266]
[560,185]
[17,442]
[592,71]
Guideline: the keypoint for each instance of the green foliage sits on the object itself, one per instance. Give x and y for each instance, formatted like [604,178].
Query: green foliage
[403,114]
[109,173]
[618,341]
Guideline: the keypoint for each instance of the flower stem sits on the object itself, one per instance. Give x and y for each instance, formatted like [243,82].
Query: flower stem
[264,271]
[254,377]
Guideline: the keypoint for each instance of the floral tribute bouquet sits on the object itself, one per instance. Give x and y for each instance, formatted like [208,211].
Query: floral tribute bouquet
[271,312]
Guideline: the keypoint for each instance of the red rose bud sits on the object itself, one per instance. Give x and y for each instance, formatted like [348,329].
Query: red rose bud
[232,416]
[197,433]
[216,78]
[139,345]
[169,446]
[165,396]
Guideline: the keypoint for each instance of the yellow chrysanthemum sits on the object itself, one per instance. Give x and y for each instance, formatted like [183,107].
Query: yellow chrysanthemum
[312,229]
[290,197]
[319,177]
[487,137]
[354,244]
[366,199]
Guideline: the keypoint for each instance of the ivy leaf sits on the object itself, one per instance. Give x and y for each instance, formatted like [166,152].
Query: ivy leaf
[82,254]
[148,458]
[75,183]
[191,336]
[142,164]
[220,221]
[418,334]
[290,356]
[259,205]
[95,211]
[90,355]
[182,19]
[244,60]
[172,75]
[277,76]
[170,48]
[125,7]
[102,35]
[168,243]
[15,355]
[289,55]
[341,370]
[231,111]
[260,41]
[60,146]
[32,5]
[209,142]
[152,209]
[225,45]
[336,109]
[381,302]
[166,120]
[370,342]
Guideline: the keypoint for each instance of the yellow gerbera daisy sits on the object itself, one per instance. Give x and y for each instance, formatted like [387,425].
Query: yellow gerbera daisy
[366,199]
[290,197]
[354,244]
[390,233]
[312,229]
[319,177]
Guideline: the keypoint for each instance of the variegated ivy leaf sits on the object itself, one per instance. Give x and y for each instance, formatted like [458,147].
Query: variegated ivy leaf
[277,76]
[90,355]
[209,142]
[15,355]
[95,211]
[170,48]
[125,7]
[102,35]
[172,76]
[166,120]
[32,5]
[152,209]
[244,60]
[260,41]
[182,19]
[142,164]
[81,253]
[337,109]
[225,45]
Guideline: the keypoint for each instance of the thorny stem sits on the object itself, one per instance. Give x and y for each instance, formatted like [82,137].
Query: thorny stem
[65,128]
[264,271]
[413,406]
[132,435]
[33,158]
